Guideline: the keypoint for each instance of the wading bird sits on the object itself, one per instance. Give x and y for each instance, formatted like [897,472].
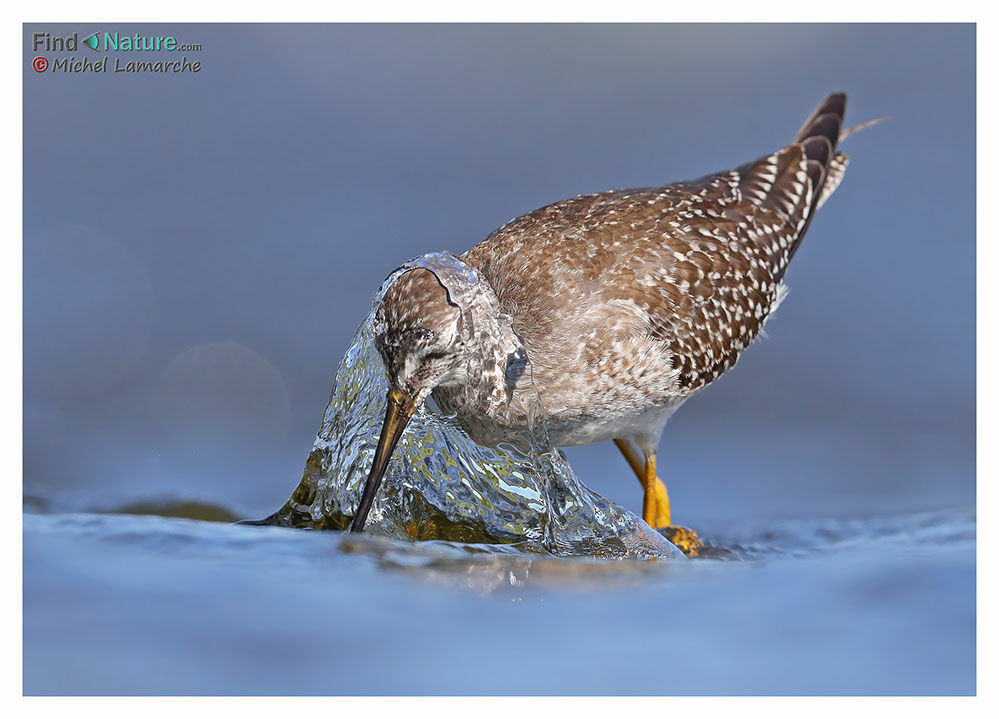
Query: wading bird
[600,315]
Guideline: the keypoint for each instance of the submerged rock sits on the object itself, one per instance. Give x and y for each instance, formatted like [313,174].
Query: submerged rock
[441,485]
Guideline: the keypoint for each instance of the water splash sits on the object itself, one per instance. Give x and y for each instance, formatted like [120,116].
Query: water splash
[441,485]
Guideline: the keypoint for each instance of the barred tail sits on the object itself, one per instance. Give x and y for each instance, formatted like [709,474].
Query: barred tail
[819,137]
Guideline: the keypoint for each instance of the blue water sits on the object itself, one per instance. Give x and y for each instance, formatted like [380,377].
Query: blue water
[132,605]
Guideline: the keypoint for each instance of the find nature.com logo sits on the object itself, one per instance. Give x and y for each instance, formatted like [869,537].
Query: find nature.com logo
[106,42]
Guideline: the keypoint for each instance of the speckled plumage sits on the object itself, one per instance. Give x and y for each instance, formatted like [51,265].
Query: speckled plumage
[625,303]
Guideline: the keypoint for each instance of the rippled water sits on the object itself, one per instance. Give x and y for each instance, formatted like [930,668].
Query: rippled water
[442,485]
[127,604]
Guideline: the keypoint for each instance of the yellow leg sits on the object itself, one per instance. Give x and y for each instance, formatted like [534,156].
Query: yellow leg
[655,505]
[655,501]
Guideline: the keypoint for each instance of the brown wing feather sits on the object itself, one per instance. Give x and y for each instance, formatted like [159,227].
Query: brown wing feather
[725,279]
[695,267]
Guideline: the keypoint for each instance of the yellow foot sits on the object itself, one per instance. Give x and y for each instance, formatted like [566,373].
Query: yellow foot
[655,501]
[686,540]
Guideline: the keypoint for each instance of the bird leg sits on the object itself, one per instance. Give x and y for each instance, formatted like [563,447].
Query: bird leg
[655,502]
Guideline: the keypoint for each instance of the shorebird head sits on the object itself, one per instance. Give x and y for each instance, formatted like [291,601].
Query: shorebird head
[417,333]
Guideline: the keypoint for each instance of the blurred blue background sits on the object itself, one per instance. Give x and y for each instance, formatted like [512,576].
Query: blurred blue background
[199,248]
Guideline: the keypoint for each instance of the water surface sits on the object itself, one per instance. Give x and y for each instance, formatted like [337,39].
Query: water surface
[133,605]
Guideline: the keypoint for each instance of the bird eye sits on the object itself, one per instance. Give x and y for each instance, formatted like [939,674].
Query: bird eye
[420,336]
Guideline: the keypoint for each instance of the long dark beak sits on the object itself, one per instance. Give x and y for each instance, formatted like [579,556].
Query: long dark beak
[398,409]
